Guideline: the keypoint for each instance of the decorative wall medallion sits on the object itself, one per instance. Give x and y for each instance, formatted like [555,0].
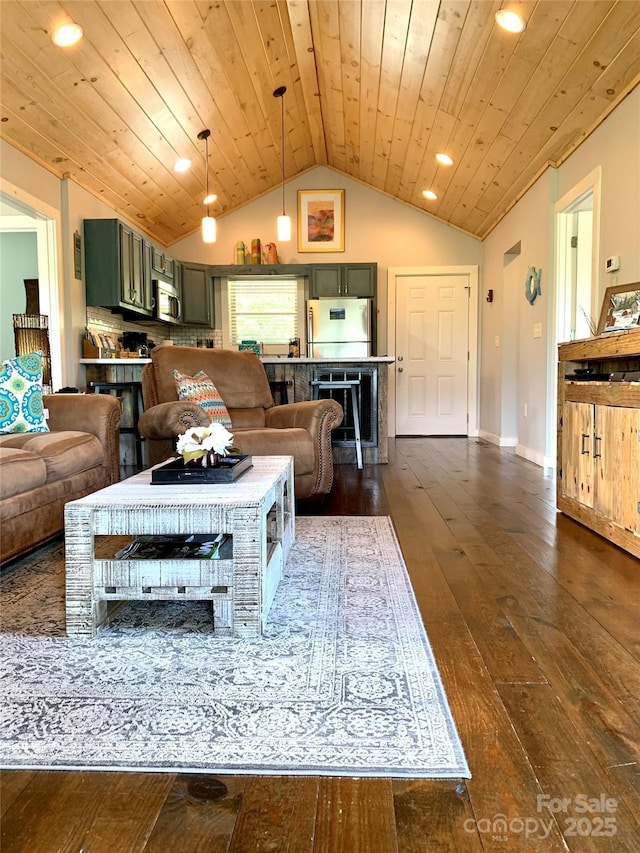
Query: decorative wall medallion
[532,284]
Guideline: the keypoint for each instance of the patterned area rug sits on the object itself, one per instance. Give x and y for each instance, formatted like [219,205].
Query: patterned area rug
[343,683]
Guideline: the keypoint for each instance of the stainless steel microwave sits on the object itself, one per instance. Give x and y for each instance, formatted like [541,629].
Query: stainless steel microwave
[168,304]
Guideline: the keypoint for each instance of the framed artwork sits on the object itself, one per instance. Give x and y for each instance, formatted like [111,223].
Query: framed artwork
[620,308]
[321,220]
[77,255]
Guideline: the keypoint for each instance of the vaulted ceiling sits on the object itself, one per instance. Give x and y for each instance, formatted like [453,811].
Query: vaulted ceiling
[374,89]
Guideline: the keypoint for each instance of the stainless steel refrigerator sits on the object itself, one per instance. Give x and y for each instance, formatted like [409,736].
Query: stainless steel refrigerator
[339,328]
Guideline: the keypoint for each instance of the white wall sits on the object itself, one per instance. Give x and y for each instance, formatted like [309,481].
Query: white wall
[615,146]
[377,228]
[514,373]
[522,370]
[32,179]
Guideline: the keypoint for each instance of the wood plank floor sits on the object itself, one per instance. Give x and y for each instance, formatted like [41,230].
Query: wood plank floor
[534,624]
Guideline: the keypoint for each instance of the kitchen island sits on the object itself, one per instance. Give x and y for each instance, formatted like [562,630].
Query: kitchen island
[125,375]
[371,371]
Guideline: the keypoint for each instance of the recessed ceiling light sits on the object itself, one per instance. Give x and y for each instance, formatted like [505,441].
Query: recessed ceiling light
[444,159]
[181,165]
[429,194]
[66,35]
[510,21]
[209,199]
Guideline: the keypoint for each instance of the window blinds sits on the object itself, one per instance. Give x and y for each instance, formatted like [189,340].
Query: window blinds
[263,310]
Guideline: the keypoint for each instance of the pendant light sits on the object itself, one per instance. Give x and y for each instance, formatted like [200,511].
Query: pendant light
[208,222]
[284,221]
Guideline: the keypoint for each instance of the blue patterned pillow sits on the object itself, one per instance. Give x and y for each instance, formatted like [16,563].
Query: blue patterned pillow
[202,390]
[21,407]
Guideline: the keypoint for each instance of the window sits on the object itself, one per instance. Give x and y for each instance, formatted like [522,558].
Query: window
[263,310]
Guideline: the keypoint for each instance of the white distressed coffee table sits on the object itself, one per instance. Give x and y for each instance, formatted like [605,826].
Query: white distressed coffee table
[257,510]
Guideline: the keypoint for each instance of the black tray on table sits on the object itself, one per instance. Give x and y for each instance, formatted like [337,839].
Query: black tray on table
[175,471]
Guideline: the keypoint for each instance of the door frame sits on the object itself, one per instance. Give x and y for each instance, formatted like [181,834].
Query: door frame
[472,271]
[48,227]
[591,183]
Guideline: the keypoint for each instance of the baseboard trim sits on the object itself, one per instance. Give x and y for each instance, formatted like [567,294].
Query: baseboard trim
[496,439]
[535,456]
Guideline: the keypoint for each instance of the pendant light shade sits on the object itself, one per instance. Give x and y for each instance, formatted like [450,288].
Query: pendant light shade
[208,222]
[284,221]
[208,229]
[284,228]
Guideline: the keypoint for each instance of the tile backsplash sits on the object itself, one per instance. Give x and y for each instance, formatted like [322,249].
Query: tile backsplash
[102,320]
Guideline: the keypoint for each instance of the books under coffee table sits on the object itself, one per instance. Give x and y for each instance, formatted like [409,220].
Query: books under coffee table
[194,546]
[256,512]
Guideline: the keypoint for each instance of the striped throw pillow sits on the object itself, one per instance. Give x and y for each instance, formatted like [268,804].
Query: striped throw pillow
[202,390]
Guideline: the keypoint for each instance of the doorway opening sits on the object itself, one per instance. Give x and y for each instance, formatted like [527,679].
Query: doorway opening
[18,214]
[577,284]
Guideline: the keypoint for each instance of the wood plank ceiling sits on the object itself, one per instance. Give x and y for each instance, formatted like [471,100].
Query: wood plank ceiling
[374,89]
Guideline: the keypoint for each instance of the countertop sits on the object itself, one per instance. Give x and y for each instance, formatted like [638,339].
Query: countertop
[267,359]
[371,359]
[113,362]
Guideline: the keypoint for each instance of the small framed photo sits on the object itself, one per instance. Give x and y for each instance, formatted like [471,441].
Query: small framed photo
[77,255]
[321,220]
[620,309]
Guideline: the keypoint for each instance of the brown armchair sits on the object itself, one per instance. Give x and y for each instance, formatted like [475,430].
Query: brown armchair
[301,430]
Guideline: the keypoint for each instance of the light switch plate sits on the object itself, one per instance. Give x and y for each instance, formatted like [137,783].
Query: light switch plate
[537,330]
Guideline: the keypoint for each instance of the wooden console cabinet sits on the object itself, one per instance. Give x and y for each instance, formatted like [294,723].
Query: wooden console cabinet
[598,481]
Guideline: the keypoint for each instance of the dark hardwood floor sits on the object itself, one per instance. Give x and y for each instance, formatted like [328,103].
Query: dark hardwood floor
[534,623]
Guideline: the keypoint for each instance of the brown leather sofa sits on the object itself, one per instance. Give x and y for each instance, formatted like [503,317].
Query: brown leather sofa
[41,471]
[301,430]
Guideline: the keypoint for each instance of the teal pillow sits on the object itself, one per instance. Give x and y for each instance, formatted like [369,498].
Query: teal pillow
[21,407]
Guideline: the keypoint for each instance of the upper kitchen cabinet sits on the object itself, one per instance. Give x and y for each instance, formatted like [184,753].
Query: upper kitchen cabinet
[197,295]
[162,265]
[342,280]
[115,267]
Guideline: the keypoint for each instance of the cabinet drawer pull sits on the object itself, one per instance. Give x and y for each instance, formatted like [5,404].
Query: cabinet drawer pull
[596,439]
[583,449]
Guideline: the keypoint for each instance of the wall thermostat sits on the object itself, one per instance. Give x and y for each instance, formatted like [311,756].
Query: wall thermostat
[612,264]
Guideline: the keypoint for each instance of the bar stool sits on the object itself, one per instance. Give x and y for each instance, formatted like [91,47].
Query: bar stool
[279,387]
[135,390]
[344,384]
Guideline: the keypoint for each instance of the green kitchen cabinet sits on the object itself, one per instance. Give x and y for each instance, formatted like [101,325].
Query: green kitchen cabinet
[115,270]
[162,264]
[197,295]
[342,280]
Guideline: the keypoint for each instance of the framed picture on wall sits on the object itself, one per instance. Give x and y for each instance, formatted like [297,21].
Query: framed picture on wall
[77,255]
[321,220]
[620,308]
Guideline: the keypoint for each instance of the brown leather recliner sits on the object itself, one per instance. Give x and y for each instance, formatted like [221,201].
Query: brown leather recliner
[301,430]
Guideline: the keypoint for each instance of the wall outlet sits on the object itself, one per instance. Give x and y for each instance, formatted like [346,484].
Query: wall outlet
[525,410]
[496,340]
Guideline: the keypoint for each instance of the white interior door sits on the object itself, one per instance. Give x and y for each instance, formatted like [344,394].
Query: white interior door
[432,352]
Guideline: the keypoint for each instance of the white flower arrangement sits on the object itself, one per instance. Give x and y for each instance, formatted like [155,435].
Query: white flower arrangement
[203,442]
